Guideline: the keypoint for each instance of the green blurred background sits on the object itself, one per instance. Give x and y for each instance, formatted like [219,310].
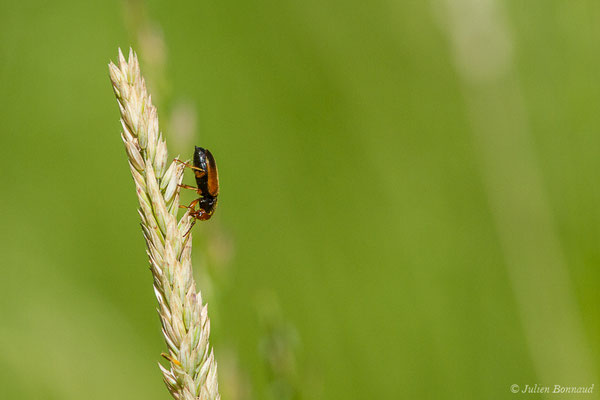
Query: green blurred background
[409,196]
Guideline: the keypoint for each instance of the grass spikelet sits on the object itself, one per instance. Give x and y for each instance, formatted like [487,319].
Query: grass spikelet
[185,325]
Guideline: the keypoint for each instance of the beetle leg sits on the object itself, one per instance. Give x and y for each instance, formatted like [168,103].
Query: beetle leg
[188,187]
[188,165]
[191,206]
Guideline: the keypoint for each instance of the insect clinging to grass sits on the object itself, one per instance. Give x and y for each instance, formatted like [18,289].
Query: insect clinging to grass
[207,181]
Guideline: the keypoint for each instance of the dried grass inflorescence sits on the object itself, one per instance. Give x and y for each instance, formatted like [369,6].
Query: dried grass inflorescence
[185,325]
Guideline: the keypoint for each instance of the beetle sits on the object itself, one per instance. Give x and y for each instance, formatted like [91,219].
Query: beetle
[207,181]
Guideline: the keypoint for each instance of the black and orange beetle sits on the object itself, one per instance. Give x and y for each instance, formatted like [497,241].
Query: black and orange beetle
[207,180]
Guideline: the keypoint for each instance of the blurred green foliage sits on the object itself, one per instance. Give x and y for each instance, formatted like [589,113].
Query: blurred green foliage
[351,189]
